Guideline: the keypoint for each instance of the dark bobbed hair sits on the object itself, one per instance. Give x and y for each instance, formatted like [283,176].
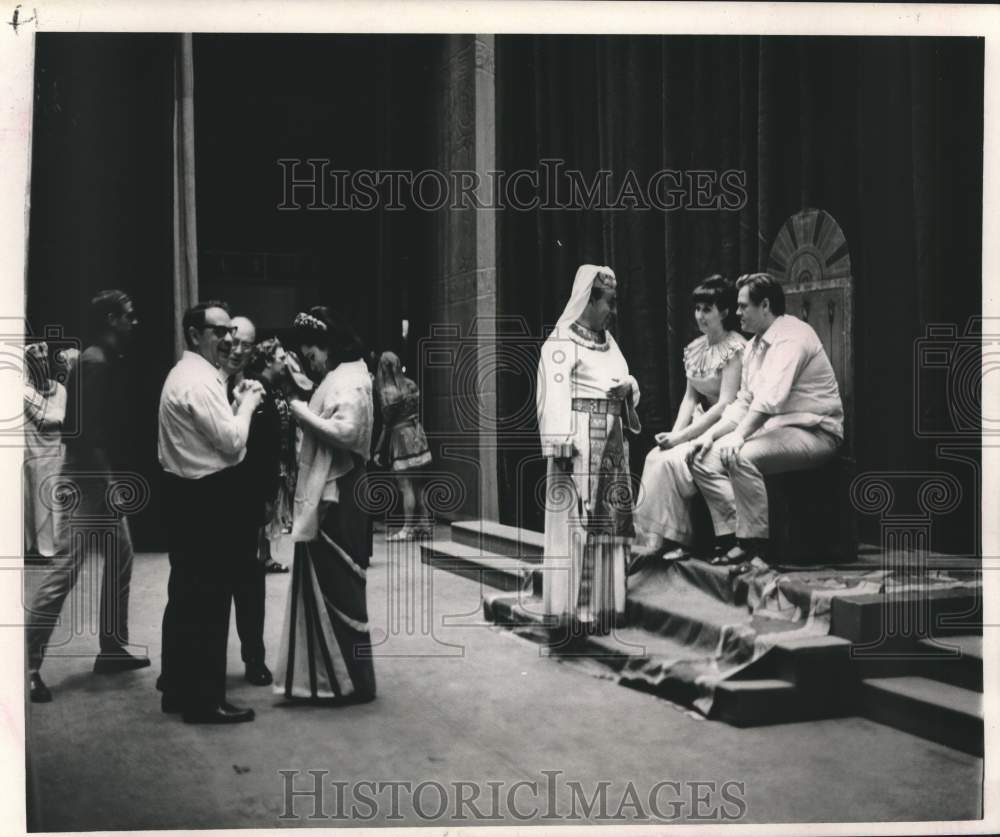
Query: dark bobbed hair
[338,338]
[718,291]
[260,356]
[107,303]
[194,317]
[764,286]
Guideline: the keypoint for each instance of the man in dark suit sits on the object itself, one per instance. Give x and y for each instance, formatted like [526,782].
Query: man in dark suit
[258,484]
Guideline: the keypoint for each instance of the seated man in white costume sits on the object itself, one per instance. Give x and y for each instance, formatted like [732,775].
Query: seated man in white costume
[787,416]
[584,395]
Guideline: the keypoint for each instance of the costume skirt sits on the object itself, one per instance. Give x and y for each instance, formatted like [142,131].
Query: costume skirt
[326,650]
[408,446]
[587,543]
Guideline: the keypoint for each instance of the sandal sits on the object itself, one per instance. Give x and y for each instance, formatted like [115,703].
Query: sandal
[403,534]
[643,551]
[734,557]
[680,553]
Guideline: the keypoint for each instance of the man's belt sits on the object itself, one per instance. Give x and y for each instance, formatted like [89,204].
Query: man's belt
[598,405]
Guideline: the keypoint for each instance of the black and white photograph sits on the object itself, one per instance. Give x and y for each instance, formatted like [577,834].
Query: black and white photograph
[499,415]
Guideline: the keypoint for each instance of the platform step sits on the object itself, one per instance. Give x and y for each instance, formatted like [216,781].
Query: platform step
[929,708]
[695,621]
[819,666]
[957,660]
[753,702]
[499,538]
[499,571]
[624,651]
[863,618]
[968,646]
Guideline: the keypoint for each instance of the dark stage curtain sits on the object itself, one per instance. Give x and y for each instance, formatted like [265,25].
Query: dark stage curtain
[884,134]
[102,211]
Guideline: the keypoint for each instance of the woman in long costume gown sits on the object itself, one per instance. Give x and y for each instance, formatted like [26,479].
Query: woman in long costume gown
[585,395]
[326,650]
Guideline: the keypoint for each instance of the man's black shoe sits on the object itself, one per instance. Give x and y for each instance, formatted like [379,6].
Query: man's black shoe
[37,689]
[258,674]
[117,661]
[222,714]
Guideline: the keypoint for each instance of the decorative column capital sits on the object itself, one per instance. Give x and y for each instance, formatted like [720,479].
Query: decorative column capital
[893,494]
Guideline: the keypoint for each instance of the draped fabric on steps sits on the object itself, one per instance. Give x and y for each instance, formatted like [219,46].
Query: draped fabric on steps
[698,605]
[884,134]
[690,625]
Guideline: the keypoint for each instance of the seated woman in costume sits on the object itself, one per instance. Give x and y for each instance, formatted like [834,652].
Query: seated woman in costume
[713,364]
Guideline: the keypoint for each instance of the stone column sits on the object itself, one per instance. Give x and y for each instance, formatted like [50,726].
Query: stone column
[462,407]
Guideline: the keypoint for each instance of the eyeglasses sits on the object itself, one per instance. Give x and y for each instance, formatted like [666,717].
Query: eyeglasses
[246,345]
[221,331]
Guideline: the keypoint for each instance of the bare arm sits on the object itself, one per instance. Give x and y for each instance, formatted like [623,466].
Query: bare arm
[686,410]
[727,394]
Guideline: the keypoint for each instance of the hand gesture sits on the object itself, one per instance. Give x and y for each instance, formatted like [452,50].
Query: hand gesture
[729,448]
[620,391]
[249,391]
[563,453]
[665,441]
[699,449]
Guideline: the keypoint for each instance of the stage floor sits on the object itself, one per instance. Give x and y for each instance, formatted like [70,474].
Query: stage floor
[471,703]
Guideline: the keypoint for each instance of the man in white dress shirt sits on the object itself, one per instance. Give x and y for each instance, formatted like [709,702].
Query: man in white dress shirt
[201,440]
[787,415]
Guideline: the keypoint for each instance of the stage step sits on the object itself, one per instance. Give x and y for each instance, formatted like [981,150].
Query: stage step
[957,660]
[746,703]
[929,708]
[493,570]
[625,651]
[797,679]
[509,611]
[499,538]
[863,618]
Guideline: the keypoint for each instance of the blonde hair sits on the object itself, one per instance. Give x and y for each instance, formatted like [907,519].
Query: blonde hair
[391,383]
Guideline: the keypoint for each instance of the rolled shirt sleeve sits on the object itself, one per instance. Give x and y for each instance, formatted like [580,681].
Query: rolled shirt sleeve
[779,370]
[788,377]
[214,419]
[738,408]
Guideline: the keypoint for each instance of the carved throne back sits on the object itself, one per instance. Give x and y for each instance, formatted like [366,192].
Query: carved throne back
[811,260]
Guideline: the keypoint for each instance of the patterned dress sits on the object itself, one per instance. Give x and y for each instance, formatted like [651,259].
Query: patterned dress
[667,484]
[403,432]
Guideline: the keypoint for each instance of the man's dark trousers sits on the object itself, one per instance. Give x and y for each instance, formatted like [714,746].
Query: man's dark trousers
[201,517]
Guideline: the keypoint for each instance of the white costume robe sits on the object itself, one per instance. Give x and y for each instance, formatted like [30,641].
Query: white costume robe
[588,502]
